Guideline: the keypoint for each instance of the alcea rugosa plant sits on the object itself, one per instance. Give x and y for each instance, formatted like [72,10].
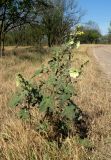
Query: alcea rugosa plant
[52,96]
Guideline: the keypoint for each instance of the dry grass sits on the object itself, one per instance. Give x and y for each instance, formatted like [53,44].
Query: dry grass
[94,98]
[19,142]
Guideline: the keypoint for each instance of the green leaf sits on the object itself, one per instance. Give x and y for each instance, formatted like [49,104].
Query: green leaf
[46,103]
[69,112]
[69,89]
[24,114]
[51,80]
[86,143]
[16,99]
[64,97]
[43,126]
[37,72]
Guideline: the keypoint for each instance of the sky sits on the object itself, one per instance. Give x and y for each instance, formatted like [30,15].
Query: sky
[98,11]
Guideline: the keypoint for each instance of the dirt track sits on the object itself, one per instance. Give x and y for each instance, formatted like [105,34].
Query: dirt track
[103,56]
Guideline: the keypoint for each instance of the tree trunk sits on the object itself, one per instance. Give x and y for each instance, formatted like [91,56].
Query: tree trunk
[1,45]
[49,40]
[2,40]
[3,53]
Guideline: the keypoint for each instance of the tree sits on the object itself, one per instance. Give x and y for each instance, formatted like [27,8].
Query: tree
[15,13]
[92,25]
[104,39]
[53,18]
[58,21]
[109,33]
[109,28]
[91,33]
[28,34]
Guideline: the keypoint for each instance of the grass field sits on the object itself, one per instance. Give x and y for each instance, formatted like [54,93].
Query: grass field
[19,142]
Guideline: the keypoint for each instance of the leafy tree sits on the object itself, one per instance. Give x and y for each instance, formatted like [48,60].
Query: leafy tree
[51,18]
[109,33]
[59,20]
[104,39]
[15,13]
[25,35]
[91,33]
[110,28]
[92,25]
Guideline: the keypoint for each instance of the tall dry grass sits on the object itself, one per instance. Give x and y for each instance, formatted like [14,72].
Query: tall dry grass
[20,142]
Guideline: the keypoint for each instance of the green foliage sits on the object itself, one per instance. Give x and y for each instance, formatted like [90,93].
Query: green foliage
[25,35]
[28,93]
[24,114]
[109,29]
[86,143]
[109,34]
[37,72]
[52,96]
[91,33]
[17,99]
[32,22]
[70,111]
[46,103]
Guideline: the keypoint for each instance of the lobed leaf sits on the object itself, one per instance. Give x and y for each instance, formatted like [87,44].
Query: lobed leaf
[69,112]
[46,103]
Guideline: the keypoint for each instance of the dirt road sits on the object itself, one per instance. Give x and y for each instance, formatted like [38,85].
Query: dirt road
[103,56]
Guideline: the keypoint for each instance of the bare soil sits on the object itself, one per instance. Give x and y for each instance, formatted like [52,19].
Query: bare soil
[103,56]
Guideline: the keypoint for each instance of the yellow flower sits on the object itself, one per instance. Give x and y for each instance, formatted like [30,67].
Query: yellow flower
[71,42]
[74,73]
[79,33]
[17,81]
[78,44]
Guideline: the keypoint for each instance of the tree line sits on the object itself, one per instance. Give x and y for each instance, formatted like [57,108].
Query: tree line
[37,34]
[31,22]
[27,22]
[92,34]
